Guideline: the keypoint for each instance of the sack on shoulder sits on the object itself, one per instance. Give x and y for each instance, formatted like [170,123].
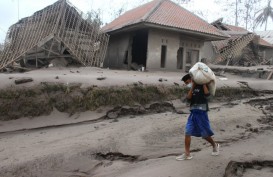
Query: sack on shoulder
[202,74]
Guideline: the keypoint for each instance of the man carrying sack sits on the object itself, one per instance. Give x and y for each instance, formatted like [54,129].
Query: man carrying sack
[198,124]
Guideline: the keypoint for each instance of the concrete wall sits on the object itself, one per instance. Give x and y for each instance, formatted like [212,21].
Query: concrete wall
[207,51]
[269,55]
[156,39]
[117,47]
[173,41]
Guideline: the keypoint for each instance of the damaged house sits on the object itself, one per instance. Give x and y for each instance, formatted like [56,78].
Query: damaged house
[59,33]
[243,48]
[158,35]
[268,37]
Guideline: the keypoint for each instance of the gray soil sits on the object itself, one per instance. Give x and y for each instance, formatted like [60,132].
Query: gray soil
[143,139]
[142,145]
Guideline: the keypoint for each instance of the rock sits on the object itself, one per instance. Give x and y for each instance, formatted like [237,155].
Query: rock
[10,77]
[23,80]
[248,125]
[57,77]
[160,79]
[237,126]
[140,83]
[176,83]
[112,115]
[101,78]
[256,130]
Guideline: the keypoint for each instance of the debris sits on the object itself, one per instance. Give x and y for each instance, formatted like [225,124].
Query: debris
[137,67]
[59,32]
[248,125]
[270,75]
[242,48]
[59,62]
[101,78]
[23,80]
[176,84]
[162,79]
[140,83]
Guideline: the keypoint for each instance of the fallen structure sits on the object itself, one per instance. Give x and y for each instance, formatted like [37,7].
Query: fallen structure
[59,33]
[243,48]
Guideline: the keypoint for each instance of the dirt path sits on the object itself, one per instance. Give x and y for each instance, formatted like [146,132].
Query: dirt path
[140,145]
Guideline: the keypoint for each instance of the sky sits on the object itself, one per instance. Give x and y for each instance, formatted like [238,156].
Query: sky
[10,13]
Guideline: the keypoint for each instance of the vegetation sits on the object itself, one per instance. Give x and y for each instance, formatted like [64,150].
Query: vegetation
[40,100]
[264,14]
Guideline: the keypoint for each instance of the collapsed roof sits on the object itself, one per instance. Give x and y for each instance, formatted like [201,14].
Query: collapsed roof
[240,45]
[59,30]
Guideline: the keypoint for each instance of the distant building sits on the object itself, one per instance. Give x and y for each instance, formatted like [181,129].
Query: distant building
[158,35]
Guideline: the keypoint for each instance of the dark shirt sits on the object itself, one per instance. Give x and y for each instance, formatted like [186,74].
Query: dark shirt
[199,99]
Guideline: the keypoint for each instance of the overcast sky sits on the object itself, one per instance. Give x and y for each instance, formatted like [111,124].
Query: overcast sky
[9,9]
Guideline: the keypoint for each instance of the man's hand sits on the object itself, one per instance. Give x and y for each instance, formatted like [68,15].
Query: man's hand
[193,84]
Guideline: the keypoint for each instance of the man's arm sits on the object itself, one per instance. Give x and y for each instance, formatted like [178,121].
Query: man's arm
[189,95]
[206,90]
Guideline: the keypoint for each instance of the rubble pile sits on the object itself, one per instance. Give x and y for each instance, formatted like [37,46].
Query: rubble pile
[57,32]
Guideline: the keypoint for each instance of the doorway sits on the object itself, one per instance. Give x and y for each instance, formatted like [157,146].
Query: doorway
[139,47]
[163,56]
[180,58]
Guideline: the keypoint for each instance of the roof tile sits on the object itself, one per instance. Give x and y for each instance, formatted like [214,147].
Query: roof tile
[165,13]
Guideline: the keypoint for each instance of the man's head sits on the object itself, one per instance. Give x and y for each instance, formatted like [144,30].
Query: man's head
[186,79]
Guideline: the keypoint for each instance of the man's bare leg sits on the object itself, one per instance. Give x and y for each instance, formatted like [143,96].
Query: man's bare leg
[187,144]
[211,141]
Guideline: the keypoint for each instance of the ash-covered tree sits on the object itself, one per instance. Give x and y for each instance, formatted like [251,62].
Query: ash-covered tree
[263,15]
[240,12]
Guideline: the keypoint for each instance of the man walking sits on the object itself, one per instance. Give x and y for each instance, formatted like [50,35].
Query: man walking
[198,124]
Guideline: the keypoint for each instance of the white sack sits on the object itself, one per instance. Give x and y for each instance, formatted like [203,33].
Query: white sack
[202,74]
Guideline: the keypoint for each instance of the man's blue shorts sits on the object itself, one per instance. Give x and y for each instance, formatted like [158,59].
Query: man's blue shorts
[198,124]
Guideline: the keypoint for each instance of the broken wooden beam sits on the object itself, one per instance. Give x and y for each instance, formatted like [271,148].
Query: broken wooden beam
[23,80]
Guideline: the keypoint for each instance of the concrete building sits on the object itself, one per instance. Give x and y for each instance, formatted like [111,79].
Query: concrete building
[158,35]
